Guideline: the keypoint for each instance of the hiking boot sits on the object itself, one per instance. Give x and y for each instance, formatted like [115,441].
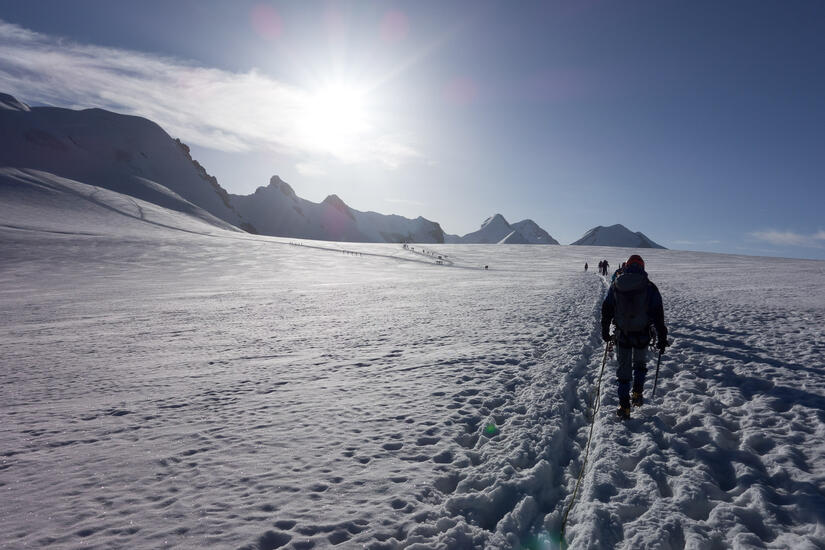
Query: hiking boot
[623,413]
[637,399]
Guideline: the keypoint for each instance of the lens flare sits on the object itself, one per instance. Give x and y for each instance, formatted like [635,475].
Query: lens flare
[491,429]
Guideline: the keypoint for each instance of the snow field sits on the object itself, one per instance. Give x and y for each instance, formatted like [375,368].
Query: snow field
[201,388]
[350,410]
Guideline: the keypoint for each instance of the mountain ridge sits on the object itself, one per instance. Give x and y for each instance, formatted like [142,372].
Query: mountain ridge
[135,156]
[277,210]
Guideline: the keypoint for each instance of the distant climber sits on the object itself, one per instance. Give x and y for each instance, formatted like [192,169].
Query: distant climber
[633,303]
[605,267]
[585,266]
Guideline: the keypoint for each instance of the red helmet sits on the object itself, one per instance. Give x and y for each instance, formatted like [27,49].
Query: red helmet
[636,259]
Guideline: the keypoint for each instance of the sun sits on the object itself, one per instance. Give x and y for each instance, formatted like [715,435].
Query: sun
[336,119]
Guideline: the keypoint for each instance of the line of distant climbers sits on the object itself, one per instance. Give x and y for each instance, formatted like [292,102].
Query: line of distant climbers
[604,266]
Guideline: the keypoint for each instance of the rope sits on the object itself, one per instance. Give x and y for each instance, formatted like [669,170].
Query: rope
[587,447]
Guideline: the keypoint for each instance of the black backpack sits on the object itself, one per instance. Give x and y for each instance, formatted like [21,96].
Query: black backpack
[630,291]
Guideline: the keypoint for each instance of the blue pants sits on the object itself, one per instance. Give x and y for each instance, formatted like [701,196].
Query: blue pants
[632,368]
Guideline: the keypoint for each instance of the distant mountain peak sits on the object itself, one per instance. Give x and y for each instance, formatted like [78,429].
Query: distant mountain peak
[284,187]
[337,203]
[494,220]
[615,235]
[534,234]
[496,229]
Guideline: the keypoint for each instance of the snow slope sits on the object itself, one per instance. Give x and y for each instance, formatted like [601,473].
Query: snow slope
[11,103]
[615,235]
[39,201]
[277,210]
[202,388]
[127,154]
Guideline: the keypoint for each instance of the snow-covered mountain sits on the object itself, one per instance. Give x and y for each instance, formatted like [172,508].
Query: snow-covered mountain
[126,154]
[616,235]
[532,233]
[496,230]
[136,157]
[277,210]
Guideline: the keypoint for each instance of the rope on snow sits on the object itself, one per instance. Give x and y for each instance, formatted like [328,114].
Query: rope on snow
[587,447]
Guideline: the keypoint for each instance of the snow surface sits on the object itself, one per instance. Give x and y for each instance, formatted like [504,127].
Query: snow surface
[616,235]
[166,383]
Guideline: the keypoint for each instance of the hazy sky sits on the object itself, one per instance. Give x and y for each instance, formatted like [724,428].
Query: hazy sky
[701,124]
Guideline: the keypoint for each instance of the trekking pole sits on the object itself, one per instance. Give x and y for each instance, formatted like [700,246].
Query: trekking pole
[656,379]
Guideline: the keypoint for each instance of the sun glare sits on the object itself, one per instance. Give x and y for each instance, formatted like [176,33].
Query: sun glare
[335,118]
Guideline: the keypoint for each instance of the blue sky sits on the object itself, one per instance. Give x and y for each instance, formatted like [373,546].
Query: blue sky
[701,124]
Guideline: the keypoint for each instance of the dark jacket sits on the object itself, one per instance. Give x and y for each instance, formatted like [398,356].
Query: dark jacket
[655,314]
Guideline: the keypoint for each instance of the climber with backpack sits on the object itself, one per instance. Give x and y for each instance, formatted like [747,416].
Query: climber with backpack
[633,304]
[617,273]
